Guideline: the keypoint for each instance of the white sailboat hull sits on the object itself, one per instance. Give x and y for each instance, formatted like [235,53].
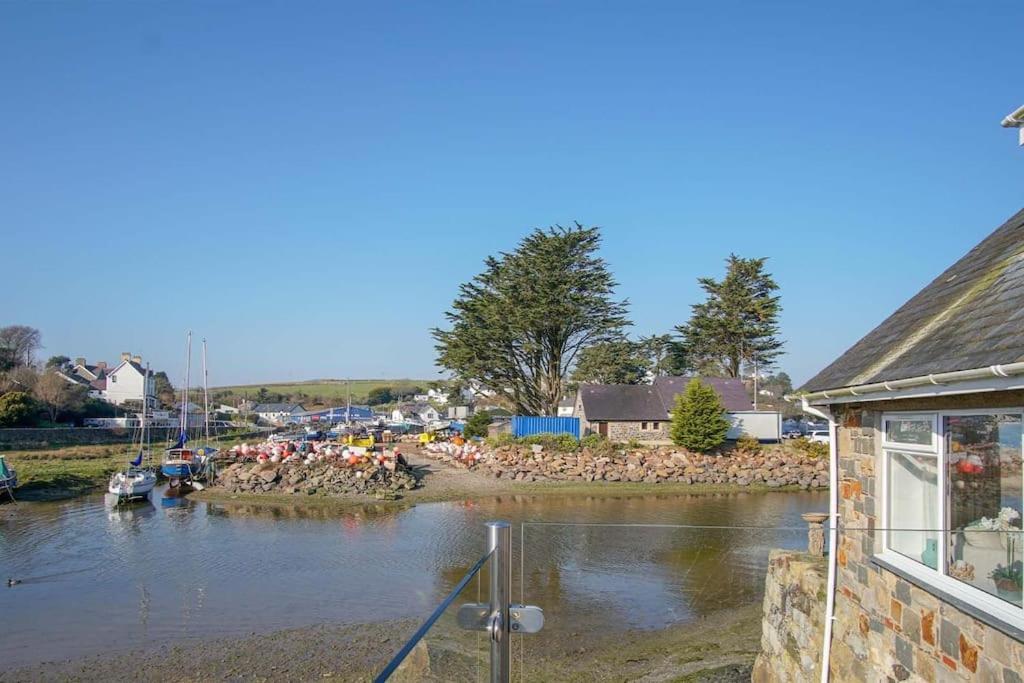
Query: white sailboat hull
[132,484]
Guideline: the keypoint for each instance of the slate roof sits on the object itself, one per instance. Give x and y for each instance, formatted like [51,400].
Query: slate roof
[971,316]
[733,392]
[277,408]
[633,402]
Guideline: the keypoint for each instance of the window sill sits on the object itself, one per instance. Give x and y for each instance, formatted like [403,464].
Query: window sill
[962,603]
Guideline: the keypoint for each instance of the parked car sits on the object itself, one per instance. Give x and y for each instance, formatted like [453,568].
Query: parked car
[818,435]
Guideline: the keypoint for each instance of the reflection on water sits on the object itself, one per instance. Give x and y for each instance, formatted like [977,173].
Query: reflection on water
[98,577]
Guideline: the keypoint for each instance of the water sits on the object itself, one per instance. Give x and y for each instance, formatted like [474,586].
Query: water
[97,579]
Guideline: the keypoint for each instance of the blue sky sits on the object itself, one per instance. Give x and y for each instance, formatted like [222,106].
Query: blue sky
[306,184]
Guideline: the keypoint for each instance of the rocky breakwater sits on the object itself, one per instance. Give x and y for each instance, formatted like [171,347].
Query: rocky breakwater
[378,478]
[774,467]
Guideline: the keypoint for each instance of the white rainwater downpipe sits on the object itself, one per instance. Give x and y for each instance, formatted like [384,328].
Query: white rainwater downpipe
[833,517]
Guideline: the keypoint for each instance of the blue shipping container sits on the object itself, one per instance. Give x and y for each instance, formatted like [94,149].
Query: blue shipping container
[523,425]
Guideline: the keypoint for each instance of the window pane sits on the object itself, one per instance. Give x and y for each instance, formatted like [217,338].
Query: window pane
[914,507]
[915,430]
[985,482]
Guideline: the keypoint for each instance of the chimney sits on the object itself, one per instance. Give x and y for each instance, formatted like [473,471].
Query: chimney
[126,355]
[137,359]
[80,361]
[101,364]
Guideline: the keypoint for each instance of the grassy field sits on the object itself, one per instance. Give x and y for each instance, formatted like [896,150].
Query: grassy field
[58,473]
[333,391]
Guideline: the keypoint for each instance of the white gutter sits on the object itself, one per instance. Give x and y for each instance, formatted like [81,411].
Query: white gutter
[833,517]
[1008,370]
[1014,120]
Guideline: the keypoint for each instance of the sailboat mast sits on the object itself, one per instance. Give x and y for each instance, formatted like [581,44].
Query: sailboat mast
[184,392]
[145,404]
[206,399]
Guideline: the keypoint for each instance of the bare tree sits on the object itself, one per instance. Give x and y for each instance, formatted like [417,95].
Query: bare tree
[58,394]
[18,345]
[21,378]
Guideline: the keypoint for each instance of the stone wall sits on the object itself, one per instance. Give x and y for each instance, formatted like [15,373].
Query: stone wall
[793,626]
[75,436]
[623,432]
[887,628]
[772,467]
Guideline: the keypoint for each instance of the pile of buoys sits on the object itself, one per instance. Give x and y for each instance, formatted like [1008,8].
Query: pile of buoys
[466,453]
[309,452]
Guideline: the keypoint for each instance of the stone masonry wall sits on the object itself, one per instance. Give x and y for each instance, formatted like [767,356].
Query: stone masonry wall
[624,432]
[887,628]
[794,619]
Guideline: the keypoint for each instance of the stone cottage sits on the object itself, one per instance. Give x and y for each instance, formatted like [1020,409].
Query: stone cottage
[642,412]
[926,414]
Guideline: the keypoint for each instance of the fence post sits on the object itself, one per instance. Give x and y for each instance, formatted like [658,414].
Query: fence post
[499,543]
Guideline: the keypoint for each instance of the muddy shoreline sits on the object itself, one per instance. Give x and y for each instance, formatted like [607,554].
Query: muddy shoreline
[721,647]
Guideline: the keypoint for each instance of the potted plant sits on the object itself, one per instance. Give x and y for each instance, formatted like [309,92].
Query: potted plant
[992,532]
[1009,579]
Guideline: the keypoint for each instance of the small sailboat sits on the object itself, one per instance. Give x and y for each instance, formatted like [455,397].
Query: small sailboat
[183,464]
[136,481]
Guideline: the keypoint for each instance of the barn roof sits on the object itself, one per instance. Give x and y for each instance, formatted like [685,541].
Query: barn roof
[632,402]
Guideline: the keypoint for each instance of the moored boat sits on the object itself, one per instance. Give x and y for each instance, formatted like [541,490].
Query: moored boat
[8,477]
[133,483]
[136,481]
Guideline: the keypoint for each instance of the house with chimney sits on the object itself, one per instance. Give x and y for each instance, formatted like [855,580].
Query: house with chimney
[126,381]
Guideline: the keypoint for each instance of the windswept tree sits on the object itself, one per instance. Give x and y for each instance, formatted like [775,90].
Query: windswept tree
[737,323]
[58,362]
[663,354]
[613,362]
[517,328]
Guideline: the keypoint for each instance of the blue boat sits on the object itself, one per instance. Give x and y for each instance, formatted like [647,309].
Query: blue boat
[181,464]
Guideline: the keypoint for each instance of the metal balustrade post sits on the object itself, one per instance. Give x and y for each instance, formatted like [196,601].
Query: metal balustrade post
[499,544]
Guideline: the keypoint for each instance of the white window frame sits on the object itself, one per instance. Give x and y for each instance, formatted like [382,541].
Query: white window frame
[939,578]
[894,445]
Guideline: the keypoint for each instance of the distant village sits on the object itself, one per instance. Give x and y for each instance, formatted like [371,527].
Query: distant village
[618,412]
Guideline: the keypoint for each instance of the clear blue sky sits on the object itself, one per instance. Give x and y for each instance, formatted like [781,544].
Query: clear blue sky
[306,184]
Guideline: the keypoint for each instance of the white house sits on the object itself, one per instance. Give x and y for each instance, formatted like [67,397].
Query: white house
[423,412]
[437,395]
[128,382]
[93,377]
[277,413]
[566,407]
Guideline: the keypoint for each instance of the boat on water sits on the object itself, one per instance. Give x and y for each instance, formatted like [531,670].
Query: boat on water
[8,477]
[136,481]
[183,464]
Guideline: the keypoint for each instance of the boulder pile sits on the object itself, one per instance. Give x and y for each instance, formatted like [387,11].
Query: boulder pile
[773,467]
[371,475]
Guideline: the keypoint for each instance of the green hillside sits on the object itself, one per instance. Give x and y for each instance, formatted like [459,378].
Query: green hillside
[319,392]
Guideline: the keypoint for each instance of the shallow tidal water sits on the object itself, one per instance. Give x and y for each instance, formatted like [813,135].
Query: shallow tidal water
[97,579]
